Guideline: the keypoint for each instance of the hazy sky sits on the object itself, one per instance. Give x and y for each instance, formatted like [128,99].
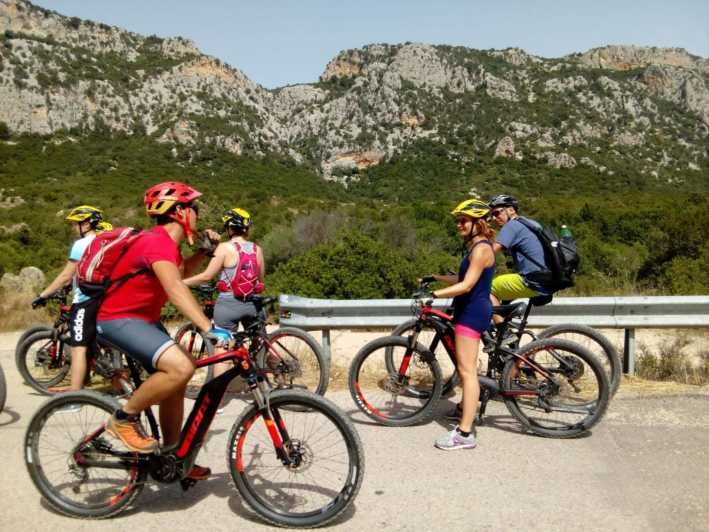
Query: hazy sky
[279,42]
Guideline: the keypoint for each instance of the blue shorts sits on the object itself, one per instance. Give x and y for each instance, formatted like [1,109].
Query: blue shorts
[141,340]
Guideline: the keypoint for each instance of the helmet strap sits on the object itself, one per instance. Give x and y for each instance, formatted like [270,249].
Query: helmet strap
[184,222]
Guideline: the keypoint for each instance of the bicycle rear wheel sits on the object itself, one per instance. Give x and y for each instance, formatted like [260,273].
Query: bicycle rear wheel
[327,460]
[406,396]
[596,343]
[42,360]
[558,389]
[190,339]
[63,437]
[296,360]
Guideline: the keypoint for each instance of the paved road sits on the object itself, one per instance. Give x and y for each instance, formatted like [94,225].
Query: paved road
[646,467]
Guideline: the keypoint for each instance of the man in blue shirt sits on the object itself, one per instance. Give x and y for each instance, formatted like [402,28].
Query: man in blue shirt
[86,221]
[524,246]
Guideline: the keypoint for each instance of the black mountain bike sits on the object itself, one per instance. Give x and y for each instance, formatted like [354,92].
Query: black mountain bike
[513,334]
[291,357]
[294,457]
[554,387]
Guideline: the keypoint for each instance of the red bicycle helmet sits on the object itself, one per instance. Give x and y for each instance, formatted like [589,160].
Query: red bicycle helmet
[160,198]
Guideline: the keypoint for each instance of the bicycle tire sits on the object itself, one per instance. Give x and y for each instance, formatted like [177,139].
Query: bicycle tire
[419,407]
[283,351]
[42,340]
[295,405]
[187,337]
[588,398]
[3,389]
[611,360]
[96,405]
[448,369]
[30,331]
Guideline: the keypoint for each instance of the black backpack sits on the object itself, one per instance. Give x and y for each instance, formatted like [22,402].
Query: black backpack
[560,255]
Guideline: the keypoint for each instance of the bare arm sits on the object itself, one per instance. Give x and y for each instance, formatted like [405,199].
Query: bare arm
[481,257]
[179,294]
[63,279]
[497,247]
[259,258]
[192,264]
[213,268]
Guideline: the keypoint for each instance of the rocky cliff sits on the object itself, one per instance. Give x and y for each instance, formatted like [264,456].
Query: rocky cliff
[608,108]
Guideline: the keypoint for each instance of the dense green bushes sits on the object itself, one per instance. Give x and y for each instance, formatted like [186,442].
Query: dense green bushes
[371,240]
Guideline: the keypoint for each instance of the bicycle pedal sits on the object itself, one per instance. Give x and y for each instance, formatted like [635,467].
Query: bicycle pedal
[187,483]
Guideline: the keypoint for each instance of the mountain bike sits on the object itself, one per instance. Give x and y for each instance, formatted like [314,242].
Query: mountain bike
[291,356]
[513,332]
[553,387]
[61,323]
[294,457]
[44,359]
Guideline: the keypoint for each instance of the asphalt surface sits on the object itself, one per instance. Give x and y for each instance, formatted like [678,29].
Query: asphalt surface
[645,467]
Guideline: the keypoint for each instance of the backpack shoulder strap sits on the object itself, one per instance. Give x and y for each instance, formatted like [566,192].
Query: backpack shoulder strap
[535,231]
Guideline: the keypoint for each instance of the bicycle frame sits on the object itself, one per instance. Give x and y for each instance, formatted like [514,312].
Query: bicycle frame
[181,456]
[442,324]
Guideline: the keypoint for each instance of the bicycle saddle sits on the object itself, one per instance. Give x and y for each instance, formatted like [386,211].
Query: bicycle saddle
[511,310]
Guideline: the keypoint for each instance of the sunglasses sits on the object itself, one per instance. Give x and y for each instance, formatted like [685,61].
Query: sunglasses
[497,212]
[194,207]
[462,221]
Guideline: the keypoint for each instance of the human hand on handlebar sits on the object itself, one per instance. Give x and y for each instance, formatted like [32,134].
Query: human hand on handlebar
[220,337]
[39,301]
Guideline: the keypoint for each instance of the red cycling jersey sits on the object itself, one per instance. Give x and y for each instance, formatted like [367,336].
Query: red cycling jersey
[141,297]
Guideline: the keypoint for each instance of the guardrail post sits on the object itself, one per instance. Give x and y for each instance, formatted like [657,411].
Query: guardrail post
[629,352]
[326,343]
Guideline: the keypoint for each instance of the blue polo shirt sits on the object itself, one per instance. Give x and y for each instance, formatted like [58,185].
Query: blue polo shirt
[526,250]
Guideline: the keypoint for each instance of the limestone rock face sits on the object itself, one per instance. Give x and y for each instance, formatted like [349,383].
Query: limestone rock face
[369,105]
[29,280]
[505,148]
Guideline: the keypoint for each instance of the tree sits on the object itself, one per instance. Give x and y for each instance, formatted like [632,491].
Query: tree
[5,133]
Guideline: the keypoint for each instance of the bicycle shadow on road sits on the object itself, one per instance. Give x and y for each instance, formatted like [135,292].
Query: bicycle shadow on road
[9,412]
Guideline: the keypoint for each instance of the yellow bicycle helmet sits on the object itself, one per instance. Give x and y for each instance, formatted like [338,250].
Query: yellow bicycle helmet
[472,207]
[85,213]
[237,218]
[104,226]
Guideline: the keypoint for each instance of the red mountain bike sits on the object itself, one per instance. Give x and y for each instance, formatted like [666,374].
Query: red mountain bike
[294,457]
[554,387]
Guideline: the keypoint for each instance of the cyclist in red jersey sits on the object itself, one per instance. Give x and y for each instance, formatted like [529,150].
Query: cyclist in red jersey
[130,316]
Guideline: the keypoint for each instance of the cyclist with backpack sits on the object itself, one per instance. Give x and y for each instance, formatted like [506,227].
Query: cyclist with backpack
[472,311]
[86,221]
[240,265]
[517,236]
[147,273]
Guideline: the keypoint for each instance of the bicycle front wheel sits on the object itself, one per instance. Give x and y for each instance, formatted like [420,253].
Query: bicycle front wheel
[296,360]
[190,339]
[429,338]
[75,465]
[42,360]
[596,343]
[323,471]
[404,396]
[3,389]
[555,388]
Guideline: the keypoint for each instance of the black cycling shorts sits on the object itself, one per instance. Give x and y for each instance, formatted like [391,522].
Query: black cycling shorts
[82,323]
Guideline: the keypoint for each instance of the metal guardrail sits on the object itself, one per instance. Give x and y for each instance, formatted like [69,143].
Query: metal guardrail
[629,313]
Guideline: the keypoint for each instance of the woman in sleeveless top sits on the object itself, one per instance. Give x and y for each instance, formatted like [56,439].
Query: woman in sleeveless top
[472,312]
[235,303]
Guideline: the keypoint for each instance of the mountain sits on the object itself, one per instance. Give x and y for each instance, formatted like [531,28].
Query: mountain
[611,110]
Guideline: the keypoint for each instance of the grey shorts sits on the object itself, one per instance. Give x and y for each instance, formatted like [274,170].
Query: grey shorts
[229,312]
[142,340]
